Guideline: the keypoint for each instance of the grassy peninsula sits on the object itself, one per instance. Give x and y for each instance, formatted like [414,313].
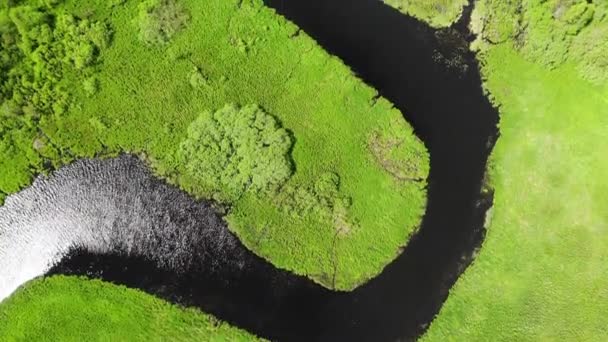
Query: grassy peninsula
[437,13]
[228,101]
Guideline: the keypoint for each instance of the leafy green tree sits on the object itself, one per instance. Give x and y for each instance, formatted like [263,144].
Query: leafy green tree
[235,150]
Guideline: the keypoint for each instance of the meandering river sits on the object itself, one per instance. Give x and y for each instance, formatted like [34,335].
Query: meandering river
[433,79]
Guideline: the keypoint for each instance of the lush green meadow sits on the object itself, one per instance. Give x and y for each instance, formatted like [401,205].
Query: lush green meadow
[437,13]
[321,176]
[541,273]
[76,309]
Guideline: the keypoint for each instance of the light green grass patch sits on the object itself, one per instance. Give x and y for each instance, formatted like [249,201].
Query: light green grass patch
[437,13]
[77,309]
[541,272]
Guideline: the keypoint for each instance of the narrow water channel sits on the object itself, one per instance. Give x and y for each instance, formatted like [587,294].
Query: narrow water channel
[431,77]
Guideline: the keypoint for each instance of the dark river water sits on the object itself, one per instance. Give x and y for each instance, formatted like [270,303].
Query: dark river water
[433,79]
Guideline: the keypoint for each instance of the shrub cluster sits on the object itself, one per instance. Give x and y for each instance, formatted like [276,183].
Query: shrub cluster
[322,201]
[36,48]
[550,32]
[234,150]
[160,20]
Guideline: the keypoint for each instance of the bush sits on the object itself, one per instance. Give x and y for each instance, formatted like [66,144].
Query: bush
[160,20]
[235,150]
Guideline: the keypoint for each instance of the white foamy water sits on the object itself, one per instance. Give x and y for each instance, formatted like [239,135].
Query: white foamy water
[112,205]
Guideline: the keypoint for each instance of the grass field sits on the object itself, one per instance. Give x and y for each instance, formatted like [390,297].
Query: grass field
[324,178]
[74,309]
[541,272]
[437,13]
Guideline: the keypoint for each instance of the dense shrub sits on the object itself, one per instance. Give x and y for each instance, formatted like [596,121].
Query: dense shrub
[40,45]
[235,150]
[36,48]
[160,20]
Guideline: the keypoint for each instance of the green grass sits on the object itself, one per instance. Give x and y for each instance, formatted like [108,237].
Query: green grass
[76,309]
[345,210]
[437,13]
[541,272]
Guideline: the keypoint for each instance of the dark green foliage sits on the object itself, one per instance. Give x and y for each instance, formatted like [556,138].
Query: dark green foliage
[160,20]
[235,150]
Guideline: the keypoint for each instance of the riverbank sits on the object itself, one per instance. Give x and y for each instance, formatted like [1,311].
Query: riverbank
[540,274]
[102,311]
[437,13]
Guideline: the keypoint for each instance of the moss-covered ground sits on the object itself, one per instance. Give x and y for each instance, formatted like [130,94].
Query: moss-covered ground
[437,13]
[76,309]
[541,273]
[322,176]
